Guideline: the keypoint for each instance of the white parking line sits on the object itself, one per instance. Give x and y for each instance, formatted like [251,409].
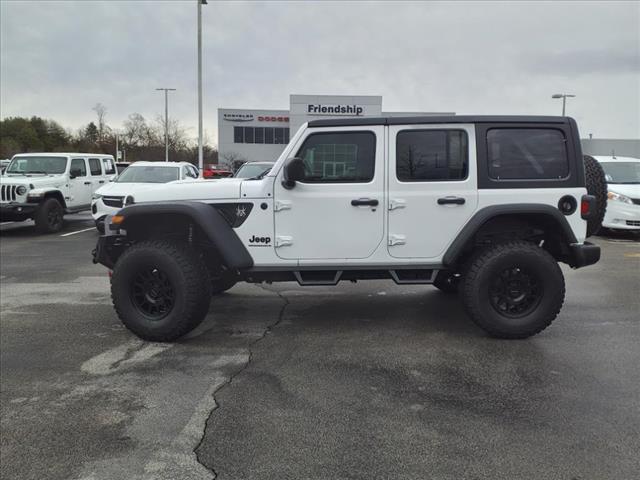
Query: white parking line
[5,223]
[79,231]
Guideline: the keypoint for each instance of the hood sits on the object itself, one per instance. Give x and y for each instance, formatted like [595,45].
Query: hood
[123,189]
[189,190]
[38,181]
[631,191]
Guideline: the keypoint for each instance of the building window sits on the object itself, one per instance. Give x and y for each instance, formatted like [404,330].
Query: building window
[527,154]
[339,157]
[248,134]
[261,135]
[431,155]
[238,134]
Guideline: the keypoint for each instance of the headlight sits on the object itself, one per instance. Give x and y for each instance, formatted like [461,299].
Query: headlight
[96,196]
[619,197]
[21,190]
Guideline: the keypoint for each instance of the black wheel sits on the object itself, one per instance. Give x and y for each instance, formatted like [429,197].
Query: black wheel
[447,282]
[49,216]
[513,290]
[100,225]
[596,186]
[161,290]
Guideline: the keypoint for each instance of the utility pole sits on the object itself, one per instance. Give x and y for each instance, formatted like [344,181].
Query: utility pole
[200,154]
[564,97]
[166,120]
[117,150]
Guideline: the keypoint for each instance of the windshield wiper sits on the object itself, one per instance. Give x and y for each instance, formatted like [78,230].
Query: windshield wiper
[36,171]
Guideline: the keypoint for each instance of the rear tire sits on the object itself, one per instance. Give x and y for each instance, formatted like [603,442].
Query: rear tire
[596,186]
[513,290]
[161,290]
[49,216]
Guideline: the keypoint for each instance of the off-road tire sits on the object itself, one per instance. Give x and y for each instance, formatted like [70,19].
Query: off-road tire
[487,268]
[187,275]
[447,282]
[596,186]
[49,216]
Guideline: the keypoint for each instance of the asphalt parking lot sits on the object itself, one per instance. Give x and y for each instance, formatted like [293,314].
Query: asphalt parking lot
[358,381]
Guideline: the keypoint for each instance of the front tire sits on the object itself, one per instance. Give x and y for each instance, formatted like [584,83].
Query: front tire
[49,216]
[513,290]
[161,290]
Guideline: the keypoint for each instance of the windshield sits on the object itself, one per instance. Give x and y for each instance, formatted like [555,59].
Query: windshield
[47,165]
[249,170]
[622,172]
[149,174]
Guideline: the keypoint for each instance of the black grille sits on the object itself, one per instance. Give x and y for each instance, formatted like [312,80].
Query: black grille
[113,201]
[636,201]
[633,223]
[8,193]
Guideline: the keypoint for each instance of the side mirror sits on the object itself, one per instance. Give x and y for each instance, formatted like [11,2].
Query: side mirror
[293,172]
[74,173]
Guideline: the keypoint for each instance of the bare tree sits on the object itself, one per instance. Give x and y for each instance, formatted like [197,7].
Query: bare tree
[101,112]
[233,160]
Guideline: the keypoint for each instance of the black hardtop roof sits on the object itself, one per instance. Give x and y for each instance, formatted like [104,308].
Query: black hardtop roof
[344,122]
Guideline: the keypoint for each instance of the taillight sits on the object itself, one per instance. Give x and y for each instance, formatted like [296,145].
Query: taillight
[586,206]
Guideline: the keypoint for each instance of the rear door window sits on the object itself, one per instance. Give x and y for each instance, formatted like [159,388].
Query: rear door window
[527,154]
[431,155]
[94,166]
[78,167]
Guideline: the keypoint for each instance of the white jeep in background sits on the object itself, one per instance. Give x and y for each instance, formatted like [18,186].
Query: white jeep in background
[46,186]
[486,206]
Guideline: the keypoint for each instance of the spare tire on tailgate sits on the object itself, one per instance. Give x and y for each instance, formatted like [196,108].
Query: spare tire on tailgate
[596,186]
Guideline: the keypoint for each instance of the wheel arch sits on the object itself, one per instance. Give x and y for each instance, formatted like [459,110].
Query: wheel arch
[514,221]
[191,221]
[57,194]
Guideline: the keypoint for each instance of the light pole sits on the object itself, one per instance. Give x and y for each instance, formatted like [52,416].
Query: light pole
[200,154]
[166,121]
[564,97]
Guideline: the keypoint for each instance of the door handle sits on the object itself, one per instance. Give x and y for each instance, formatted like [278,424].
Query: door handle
[451,201]
[101,181]
[360,202]
[87,183]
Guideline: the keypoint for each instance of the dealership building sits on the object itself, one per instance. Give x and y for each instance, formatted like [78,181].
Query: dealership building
[261,135]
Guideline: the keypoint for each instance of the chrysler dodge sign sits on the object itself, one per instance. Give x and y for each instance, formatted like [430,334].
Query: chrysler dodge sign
[347,110]
[238,117]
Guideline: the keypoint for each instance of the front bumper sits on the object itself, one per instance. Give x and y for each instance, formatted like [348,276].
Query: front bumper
[622,216]
[14,211]
[583,254]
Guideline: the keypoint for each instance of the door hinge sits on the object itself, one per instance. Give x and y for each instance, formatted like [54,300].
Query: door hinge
[281,205]
[283,241]
[397,239]
[397,203]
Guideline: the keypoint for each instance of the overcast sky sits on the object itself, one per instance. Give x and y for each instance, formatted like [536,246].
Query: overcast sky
[59,58]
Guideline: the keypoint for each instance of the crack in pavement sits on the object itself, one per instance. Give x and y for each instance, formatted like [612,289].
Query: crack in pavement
[216,406]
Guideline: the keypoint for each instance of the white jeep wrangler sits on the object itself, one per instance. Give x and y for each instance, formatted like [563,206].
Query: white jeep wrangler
[45,186]
[486,206]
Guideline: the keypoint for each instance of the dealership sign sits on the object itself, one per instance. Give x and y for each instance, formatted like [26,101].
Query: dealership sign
[238,117]
[348,110]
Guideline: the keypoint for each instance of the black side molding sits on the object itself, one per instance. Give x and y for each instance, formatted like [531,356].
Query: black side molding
[484,215]
[214,226]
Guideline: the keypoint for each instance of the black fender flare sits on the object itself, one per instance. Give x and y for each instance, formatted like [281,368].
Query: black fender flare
[207,218]
[483,215]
